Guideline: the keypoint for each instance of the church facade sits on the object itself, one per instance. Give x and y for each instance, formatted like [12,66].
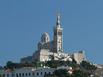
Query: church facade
[52,49]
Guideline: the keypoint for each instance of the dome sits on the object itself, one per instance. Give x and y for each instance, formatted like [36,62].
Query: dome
[45,38]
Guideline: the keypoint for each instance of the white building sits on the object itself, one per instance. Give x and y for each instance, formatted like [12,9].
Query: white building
[28,72]
[79,57]
[48,48]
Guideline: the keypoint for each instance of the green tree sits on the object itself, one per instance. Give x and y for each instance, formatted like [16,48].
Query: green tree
[52,63]
[62,73]
[87,66]
[80,73]
[10,64]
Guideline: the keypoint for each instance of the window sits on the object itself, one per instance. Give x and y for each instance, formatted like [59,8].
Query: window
[29,74]
[37,73]
[49,73]
[45,73]
[19,74]
[22,74]
[26,74]
[41,73]
[59,33]
[16,75]
[33,73]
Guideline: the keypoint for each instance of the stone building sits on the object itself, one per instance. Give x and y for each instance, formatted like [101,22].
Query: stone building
[27,72]
[79,57]
[52,48]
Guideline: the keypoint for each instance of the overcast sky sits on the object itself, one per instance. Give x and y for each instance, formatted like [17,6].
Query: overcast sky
[23,21]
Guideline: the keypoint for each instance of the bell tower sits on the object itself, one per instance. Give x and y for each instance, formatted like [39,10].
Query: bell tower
[58,36]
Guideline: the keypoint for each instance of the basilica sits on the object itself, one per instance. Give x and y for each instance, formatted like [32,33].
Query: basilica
[53,49]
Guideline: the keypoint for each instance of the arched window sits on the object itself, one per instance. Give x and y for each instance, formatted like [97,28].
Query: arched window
[37,73]
[41,73]
[49,73]
[26,74]
[33,73]
[22,74]
[16,75]
[29,74]
[19,74]
[45,73]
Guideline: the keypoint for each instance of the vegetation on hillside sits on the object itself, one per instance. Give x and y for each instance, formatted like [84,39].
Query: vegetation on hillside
[85,69]
[87,66]
[64,73]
